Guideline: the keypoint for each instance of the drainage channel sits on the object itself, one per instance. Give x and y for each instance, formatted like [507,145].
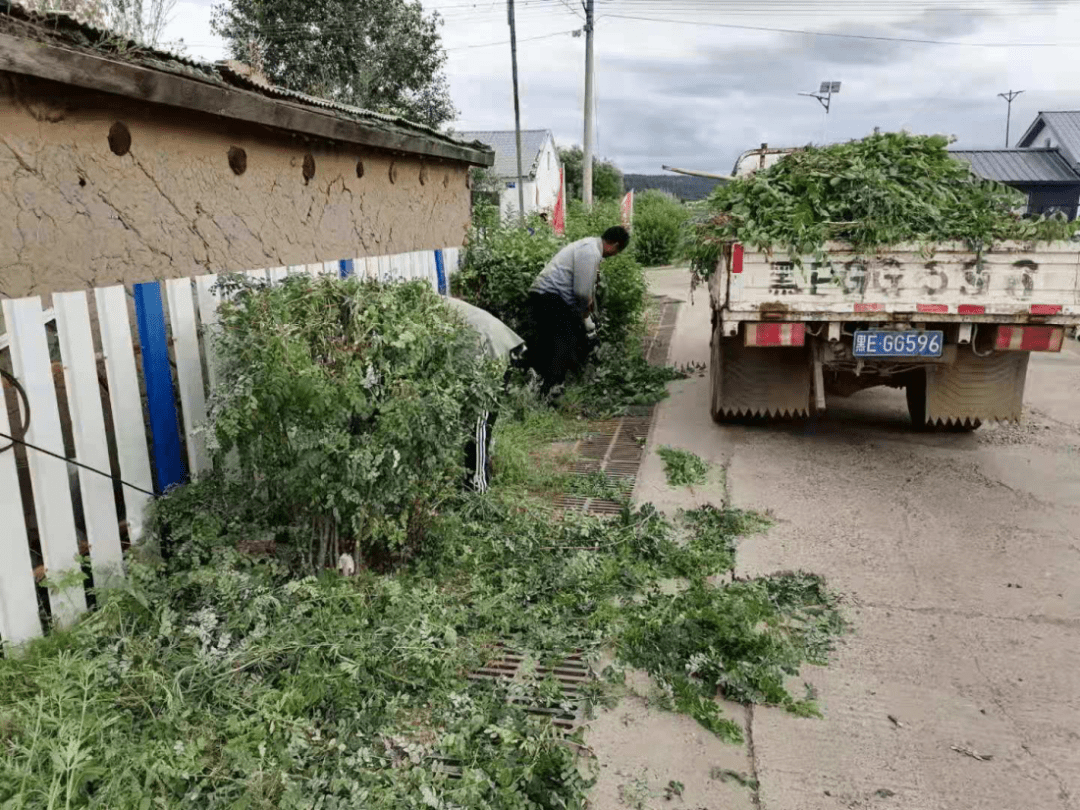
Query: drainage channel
[615,448]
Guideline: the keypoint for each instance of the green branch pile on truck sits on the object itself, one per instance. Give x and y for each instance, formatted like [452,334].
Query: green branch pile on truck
[880,262]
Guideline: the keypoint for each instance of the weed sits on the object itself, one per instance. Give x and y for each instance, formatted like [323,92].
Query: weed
[726,774]
[683,468]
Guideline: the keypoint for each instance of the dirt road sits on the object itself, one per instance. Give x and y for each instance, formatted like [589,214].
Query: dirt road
[960,559]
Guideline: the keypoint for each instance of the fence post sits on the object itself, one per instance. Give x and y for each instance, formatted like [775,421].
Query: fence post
[160,397]
[440,273]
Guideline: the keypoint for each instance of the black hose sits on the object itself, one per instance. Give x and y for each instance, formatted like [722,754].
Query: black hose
[26,409]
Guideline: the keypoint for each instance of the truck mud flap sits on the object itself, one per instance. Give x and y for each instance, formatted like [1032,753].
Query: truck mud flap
[758,382]
[976,389]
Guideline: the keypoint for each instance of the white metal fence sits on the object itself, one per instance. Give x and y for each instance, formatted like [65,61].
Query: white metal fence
[131,409]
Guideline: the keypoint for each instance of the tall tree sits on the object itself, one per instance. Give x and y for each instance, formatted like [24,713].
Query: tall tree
[607,179]
[385,55]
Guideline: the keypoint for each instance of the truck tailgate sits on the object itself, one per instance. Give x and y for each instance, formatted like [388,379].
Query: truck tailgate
[1013,284]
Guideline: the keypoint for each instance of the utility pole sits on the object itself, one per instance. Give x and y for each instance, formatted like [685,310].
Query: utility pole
[517,109]
[587,152]
[1008,117]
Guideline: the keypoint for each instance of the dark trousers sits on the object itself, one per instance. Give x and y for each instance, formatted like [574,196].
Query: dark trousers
[558,343]
[478,453]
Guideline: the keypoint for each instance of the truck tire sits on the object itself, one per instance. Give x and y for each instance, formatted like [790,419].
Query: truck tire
[916,398]
[754,383]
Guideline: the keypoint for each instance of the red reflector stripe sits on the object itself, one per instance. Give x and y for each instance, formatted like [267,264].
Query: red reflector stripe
[1045,309]
[971,309]
[939,309]
[776,334]
[736,259]
[869,307]
[1029,338]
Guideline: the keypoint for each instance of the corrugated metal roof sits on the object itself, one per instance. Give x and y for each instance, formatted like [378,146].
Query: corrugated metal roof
[504,142]
[1019,165]
[69,30]
[1066,125]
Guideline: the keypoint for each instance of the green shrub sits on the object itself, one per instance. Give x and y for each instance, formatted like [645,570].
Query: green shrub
[500,265]
[351,402]
[502,261]
[582,221]
[658,226]
[620,297]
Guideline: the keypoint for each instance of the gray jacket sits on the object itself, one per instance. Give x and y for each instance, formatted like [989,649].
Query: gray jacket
[571,274]
[497,339]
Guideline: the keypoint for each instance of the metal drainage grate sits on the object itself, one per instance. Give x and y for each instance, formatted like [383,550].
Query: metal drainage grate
[572,674]
[601,507]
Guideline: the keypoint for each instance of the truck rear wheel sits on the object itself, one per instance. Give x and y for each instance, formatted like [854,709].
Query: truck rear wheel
[758,382]
[916,398]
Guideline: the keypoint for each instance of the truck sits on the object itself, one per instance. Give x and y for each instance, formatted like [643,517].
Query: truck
[952,326]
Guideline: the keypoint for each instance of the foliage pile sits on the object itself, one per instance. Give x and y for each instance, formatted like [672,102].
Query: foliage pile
[618,378]
[682,468]
[352,402]
[216,679]
[885,189]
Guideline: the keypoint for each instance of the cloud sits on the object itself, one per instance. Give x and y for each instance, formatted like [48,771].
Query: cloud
[697,96]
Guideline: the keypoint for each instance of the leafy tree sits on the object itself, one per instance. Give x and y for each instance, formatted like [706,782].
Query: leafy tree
[385,55]
[607,179]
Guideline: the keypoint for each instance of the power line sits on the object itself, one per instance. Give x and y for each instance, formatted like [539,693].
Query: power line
[870,37]
[507,42]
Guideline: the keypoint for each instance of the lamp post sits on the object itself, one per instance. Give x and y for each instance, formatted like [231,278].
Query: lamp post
[824,95]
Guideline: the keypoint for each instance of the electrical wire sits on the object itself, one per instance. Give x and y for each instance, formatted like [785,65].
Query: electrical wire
[26,426]
[507,42]
[870,37]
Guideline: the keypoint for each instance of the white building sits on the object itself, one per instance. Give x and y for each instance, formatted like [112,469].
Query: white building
[539,165]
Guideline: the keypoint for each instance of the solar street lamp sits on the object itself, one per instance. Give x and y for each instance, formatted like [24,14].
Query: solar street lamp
[824,96]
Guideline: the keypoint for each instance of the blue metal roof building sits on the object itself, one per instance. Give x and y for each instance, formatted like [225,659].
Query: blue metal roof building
[1046,175]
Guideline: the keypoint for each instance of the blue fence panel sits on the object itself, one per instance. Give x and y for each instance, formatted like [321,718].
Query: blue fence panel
[345,267]
[440,272]
[160,396]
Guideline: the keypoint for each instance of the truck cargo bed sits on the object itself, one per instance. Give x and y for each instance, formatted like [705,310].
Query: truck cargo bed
[1015,283]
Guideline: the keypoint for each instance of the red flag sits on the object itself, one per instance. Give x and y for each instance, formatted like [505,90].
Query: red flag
[628,209]
[558,220]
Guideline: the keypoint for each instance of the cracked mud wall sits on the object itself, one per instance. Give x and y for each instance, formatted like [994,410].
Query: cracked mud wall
[77,215]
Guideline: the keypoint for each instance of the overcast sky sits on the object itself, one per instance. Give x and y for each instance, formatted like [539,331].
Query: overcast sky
[680,89]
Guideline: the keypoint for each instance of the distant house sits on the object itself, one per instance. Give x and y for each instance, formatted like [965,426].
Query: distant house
[1055,130]
[1044,175]
[1044,165]
[540,166]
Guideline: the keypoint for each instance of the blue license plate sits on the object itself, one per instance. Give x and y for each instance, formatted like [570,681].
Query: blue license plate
[913,343]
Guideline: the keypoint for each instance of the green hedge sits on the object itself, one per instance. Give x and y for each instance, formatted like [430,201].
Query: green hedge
[502,260]
[658,228]
[349,403]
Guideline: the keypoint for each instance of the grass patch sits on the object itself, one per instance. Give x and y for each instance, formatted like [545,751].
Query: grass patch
[683,468]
